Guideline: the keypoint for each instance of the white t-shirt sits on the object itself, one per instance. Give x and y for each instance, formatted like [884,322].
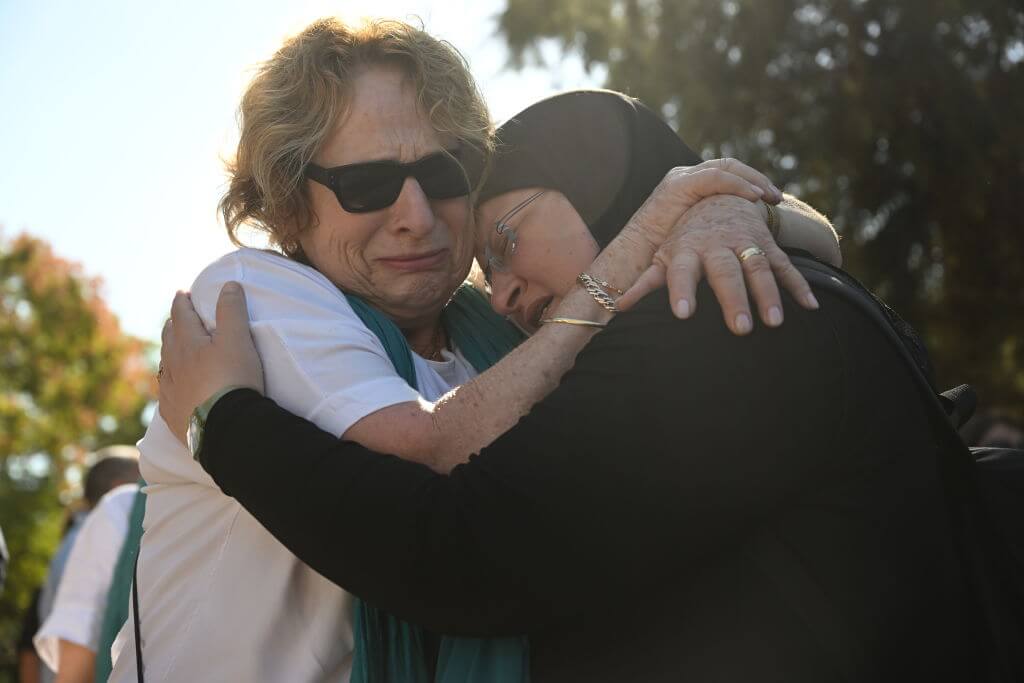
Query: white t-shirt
[220,598]
[77,614]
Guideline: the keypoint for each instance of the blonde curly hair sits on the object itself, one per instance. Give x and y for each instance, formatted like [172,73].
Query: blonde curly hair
[299,95]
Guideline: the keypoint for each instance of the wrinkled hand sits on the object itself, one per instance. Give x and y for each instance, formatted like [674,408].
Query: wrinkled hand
[684,186]
[196,364]
[708,240]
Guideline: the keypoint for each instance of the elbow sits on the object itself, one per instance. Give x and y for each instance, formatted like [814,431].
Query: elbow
[435,451]
[424,450]
[427,444]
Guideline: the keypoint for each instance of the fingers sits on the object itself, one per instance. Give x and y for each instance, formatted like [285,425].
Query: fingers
[761,283]
[683,272]
[726,279]
[791,278]
[772,193]
[166,340]
[185,320]
[165,336]
[232,313]
[651,279]
[682,187]
[713,181]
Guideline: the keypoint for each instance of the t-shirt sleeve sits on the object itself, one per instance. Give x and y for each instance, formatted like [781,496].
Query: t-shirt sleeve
[82,594]
[319,360]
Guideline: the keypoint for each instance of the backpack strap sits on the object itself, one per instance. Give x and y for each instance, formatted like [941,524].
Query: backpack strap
[135,617]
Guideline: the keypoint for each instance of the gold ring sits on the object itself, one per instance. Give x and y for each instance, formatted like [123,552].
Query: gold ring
[751,252]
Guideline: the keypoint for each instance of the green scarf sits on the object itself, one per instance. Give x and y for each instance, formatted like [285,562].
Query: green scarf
[386,648]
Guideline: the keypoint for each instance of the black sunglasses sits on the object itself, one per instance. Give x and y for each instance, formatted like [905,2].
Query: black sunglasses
[374,185]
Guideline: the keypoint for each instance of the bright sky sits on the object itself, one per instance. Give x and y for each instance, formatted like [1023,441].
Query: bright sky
[115,115]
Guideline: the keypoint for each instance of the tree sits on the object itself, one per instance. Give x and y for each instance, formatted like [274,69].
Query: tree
[70,382]
[899,118]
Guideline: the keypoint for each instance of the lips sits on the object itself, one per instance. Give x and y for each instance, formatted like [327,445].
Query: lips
[416,262]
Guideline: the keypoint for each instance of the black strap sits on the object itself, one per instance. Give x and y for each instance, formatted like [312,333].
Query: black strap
[135,617]
[981,555]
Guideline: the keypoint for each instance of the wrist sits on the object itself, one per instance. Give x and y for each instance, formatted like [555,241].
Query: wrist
[197,421]
[206,406]
[771,217]
[639,238]
[578,305]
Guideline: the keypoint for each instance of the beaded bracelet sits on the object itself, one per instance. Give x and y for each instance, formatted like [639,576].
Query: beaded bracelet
[593,288]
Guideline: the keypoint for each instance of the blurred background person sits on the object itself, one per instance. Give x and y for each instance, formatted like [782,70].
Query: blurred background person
[3,560]
[74,595]
[30,668]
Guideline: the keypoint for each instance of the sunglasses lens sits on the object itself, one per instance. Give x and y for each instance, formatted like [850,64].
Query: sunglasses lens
[442,177]
[368,187]
[362,188]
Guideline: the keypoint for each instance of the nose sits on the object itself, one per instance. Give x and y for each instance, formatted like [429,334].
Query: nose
[412,210]
[507,292]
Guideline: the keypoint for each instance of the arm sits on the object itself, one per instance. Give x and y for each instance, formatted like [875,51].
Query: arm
[623,261]
[28,666]
[802,227]
[77,663]
[443,434]
[520,536]
[305,377]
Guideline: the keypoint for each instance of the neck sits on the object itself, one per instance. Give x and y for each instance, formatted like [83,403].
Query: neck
[427,340]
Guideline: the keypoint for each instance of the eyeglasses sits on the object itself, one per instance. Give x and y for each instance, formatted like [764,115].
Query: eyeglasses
[374,185]
[498,259]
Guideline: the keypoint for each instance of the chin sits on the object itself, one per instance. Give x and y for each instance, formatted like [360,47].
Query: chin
[422,295]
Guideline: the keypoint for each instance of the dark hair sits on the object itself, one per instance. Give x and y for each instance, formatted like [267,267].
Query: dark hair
[117,465]
[605,151]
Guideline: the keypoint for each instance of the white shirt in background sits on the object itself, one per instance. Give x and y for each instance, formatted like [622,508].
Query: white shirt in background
[77,614]
[220,598]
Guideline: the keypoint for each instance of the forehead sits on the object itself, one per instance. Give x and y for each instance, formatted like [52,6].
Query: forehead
[382,121]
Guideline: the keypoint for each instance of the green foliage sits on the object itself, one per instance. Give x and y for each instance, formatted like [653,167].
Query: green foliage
[898,118]
[70,382]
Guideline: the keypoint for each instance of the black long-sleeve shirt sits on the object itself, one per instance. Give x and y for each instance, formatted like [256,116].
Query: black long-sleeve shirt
[686,505]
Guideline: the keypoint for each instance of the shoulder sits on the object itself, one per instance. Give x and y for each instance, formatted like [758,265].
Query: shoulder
[248,264]
[276,287]
[799,356]
[117,503]
[109,519]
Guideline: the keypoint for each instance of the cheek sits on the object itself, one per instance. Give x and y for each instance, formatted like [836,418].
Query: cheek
[340,246]
[457,217]
[561,263]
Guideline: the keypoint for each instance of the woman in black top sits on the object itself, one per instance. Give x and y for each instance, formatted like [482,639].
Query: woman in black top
[686,505]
